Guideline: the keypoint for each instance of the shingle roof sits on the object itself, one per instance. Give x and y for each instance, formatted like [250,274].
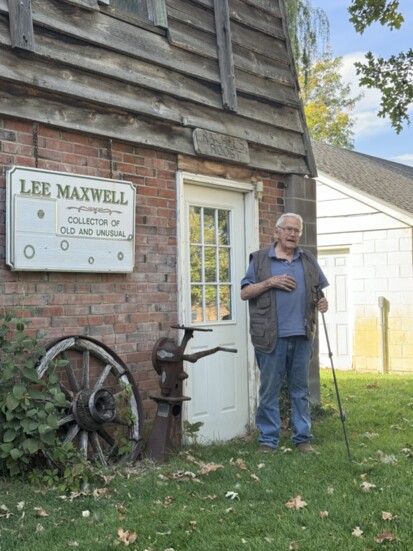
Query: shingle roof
[391,182]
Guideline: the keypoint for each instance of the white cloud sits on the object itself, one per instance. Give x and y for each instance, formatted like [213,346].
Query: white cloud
[366,109]
[406,159]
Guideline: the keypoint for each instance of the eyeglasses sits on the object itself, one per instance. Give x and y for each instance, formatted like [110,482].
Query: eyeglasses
[295,231]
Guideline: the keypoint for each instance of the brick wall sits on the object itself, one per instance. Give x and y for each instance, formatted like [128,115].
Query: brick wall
[127,312]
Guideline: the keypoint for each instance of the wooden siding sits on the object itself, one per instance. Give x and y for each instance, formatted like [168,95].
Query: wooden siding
[93,73]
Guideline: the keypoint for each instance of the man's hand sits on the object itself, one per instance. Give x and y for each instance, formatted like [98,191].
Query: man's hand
[283,282]
[322,305]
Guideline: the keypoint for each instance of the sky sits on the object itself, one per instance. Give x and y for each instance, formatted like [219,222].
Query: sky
[373,135]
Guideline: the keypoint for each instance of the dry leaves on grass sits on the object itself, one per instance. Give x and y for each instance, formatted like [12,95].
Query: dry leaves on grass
[367,486]
[385,536]
[126,536]
[357,532]
[180,475]
[168,500]
[40,512]
[387,516]
[296,503]
[204,468]
[5,511]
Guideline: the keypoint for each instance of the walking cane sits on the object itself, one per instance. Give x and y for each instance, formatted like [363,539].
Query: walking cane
[330,354]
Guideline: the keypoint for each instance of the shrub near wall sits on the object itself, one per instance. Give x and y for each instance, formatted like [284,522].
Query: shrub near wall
[127,312]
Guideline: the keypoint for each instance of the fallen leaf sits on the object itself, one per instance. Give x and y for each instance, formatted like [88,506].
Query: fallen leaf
[85,514]
[254,477]
[387,516]
[6,513]
[240,463]
[73,544]
[293,546]
[324,514]
[100,492]
[40,512]
[370,434]
[232,495]
[296,503]
[330,490]
[127,536]
[39,528]
[20,505]
[387,459]
[180,475]
[357,532]
[367,486]
[167,501]
[209,468]
[385,536]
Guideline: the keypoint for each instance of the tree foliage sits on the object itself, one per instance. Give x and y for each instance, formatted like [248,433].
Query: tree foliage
[393,77]
[328,104]
[309,31]
[327,101]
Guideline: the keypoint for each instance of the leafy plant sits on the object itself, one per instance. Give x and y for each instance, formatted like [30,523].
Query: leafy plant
[28,405]
[125,416]
[191,430]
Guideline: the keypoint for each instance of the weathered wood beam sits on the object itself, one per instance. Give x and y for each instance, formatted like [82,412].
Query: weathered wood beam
[160,16]
[123,126]
[226,62]
[87,4]
[21,24]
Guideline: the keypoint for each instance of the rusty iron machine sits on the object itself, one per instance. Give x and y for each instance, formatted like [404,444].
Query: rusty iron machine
[168,358]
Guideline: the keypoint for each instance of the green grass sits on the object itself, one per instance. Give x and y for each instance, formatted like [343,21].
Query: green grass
[169,509]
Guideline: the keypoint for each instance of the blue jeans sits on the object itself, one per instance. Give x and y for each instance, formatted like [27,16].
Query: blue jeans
[291,356]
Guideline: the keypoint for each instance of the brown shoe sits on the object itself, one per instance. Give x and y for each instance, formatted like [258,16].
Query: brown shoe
[266,449]
[305,447]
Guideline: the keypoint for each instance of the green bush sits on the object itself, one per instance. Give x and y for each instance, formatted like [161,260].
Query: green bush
[28,405]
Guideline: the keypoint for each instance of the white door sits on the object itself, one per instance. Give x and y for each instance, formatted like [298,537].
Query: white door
[335,267]
[214,261]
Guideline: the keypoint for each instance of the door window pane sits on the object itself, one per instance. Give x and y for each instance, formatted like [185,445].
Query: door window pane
[210,249]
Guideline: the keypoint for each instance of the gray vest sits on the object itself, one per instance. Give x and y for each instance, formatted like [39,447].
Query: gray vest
[263,309]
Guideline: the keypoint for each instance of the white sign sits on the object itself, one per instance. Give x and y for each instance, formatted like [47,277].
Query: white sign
[57,221]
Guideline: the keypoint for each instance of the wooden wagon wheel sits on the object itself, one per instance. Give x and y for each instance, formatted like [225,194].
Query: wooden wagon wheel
[103,413]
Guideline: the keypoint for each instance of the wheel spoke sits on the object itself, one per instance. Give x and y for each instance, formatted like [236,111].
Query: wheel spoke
[68,393]
[97,447]
[71,433]
[103,376]
[85,369]
[107,437]
[68,419]
[71,376]
[83,442]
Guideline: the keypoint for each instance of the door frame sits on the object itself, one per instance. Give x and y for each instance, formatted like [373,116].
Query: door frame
[340,251]
[251,238]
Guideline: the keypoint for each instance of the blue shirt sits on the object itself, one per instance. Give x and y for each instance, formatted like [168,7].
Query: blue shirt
[291,305]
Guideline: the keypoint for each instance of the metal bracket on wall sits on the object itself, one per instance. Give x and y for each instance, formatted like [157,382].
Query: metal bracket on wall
[36,144]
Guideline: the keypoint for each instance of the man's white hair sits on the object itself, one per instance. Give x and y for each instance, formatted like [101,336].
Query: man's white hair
[281,219]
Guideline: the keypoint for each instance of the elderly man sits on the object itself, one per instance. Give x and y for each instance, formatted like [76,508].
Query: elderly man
[283,287]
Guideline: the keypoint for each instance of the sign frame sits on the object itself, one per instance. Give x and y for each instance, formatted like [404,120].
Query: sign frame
[65,222]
